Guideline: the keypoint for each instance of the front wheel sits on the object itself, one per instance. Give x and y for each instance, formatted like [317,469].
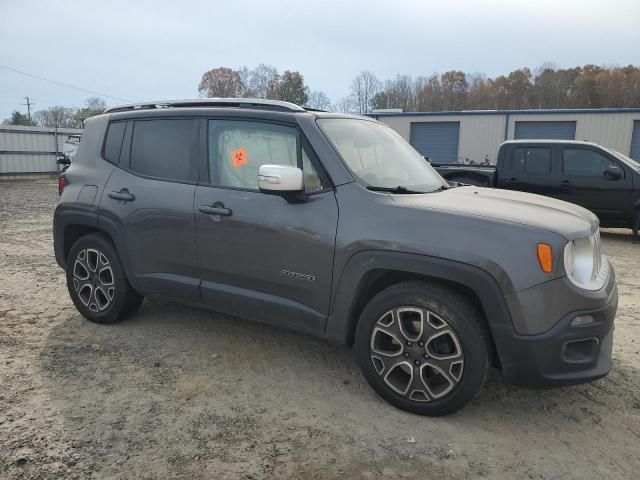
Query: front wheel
[636,225]
[96,281]
[423,348]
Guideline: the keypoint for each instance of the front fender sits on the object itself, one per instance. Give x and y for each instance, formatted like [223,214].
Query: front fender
[353,280]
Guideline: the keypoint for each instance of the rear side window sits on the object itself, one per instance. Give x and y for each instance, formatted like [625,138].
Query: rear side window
[162,149]
[532,160]
[582,162]
[113,142]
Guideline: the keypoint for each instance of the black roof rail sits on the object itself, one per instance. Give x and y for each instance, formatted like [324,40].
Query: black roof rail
[257,103]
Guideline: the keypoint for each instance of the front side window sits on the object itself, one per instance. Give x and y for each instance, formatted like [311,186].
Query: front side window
[582,162]
[532,160]
[162,149]
[380,157]
[238,148]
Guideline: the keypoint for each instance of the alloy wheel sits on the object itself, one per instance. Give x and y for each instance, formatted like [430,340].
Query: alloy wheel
[416,353]
[93,279]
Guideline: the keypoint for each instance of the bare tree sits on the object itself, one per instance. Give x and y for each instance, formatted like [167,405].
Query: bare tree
[221,82]
[93,106]
[320,101]
[363,89]
[346,105]
[262,81]
[56,117]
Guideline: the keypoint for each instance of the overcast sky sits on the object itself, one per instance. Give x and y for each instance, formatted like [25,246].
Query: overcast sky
[150,50]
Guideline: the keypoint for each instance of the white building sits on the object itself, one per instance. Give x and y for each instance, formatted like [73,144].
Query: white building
[449,137]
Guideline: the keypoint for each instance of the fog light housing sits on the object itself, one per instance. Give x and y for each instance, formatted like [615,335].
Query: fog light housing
[582,320]
[581,351]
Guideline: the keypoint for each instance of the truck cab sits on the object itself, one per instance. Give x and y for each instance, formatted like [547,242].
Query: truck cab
[587,174]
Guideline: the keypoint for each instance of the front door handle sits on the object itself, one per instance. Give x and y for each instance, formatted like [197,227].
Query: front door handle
[123,195]
[565,184]
[217,208]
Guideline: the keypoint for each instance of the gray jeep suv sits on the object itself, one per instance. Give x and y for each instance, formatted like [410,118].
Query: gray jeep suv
[333,225]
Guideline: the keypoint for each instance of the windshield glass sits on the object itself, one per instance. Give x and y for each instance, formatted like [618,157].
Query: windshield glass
[380,157]
[626,159]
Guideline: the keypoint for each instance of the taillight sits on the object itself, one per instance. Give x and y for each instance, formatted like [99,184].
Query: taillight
[61,184]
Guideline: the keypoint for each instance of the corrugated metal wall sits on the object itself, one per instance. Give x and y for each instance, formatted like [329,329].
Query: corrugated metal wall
[30,150]
[481,133]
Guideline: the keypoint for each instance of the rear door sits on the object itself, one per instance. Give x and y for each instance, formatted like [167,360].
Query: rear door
[530,168]
[149,201]
[584,181]
[263,257]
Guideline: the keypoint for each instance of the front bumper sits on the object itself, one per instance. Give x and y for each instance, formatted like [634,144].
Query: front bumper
[566,353]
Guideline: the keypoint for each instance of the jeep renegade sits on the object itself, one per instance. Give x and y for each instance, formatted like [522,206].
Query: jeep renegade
[333,225]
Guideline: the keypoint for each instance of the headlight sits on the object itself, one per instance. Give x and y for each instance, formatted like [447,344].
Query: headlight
[584,263]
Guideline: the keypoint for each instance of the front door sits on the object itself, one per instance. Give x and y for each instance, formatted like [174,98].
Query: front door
[261,256]
[584,181]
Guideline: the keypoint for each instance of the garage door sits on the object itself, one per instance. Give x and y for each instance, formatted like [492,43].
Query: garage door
[436,140]
[635,141]
[546,130]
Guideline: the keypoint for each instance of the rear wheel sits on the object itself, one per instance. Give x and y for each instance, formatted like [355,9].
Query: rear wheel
[423,348]
[636,225]
[96,281]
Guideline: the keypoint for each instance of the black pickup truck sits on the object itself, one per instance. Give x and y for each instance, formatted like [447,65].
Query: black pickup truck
[597,178]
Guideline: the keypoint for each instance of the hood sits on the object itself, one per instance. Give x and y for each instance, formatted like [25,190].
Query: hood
[563,218]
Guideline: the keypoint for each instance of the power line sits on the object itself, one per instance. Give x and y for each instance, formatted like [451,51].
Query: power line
[63,84]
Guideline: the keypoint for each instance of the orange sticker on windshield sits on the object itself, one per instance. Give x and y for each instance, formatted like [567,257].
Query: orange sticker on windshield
[238,157]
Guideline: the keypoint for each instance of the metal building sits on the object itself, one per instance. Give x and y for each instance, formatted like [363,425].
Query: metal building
[475,135]
[26,152]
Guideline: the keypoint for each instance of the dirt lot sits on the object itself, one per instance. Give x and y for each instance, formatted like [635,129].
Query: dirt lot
[176,392]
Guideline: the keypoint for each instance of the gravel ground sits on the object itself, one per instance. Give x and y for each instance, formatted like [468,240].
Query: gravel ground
[176,392]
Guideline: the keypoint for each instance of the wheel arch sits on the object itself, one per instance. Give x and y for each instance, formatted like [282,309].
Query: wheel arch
[70,224]
[368,273]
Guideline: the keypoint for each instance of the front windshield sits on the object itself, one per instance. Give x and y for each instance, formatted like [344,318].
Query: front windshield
[626,159]
[380,157]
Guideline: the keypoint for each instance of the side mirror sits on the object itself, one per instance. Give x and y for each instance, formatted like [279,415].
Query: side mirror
[614,172]
[280,179]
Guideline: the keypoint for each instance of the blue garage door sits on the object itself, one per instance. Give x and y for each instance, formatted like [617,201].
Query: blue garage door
[436,140]
[546,130]
[635,141]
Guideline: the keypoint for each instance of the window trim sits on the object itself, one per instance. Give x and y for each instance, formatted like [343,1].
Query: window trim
[600,152]
[192,154]
[302,142]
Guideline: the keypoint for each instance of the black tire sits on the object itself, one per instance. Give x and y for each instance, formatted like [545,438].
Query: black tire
[96,298]
[441,305]
[636,226]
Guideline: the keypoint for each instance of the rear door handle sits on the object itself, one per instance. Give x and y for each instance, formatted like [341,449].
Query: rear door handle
[565,184]
[123,195]
[217,208]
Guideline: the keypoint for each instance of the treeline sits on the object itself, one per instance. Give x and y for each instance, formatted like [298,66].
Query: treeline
[58,116]
[590,86]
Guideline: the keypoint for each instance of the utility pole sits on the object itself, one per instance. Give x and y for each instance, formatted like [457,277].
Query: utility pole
[28,104]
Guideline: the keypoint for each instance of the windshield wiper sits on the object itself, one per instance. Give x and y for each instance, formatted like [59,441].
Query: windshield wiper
[398,189]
